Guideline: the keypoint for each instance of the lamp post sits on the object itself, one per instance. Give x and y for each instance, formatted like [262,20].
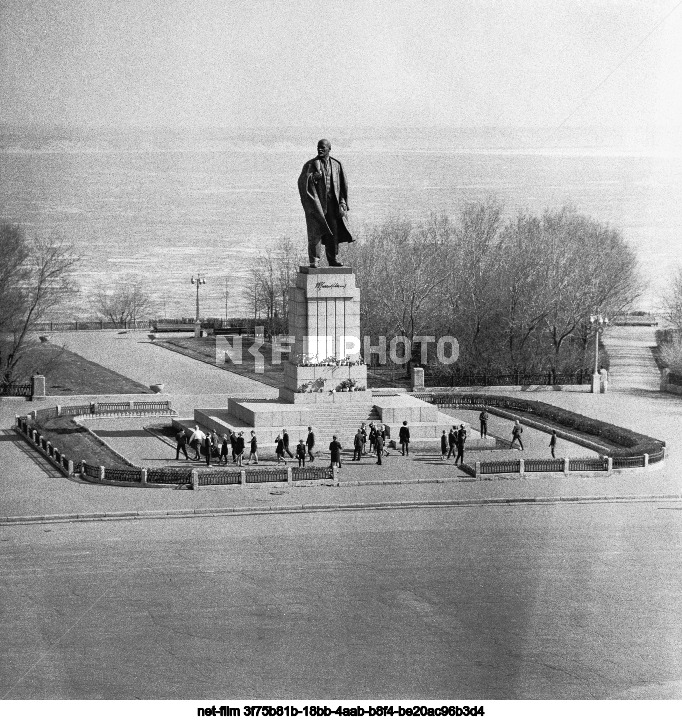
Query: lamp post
[199,280]
[598,323]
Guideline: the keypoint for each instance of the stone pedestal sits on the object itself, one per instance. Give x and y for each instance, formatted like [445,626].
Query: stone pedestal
[324,318]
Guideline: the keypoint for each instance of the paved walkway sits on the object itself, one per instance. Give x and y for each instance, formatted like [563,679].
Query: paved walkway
[29,487]
[133,355]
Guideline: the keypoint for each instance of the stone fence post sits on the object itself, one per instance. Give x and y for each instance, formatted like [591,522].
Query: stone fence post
[567,466]
[665,372]
[195,479]
[38,387]
[417,378]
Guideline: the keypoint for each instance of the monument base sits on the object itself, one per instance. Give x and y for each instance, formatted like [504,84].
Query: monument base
[324,318]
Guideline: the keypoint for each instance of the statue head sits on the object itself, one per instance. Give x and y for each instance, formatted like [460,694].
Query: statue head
[323,148]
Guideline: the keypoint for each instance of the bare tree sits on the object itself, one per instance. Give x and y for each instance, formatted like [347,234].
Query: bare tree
[673,300]
[35,276]
[126,302]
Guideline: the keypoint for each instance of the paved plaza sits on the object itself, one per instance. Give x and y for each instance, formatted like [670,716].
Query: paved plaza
[538,597]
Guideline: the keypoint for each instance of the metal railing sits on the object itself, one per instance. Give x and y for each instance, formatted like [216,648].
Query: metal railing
[544,465]
[588,464]
[123,475]
[219,478]
[313,473]
[90,471]
[629,461]
[494,467]
[16,389]
[263,476]
[170,475]
[464,380]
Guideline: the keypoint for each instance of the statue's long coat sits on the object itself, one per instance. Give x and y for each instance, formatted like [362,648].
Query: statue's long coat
[313,192]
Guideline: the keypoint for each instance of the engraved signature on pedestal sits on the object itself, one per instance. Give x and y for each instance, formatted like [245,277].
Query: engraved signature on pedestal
[320,285]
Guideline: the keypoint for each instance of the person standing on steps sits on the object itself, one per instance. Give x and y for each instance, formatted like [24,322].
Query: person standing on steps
[404,437]
[517,430]
[443,445]
[310,442]
[483,418]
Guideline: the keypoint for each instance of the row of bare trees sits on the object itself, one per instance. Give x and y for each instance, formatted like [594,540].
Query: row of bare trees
[271,276]
[516,292]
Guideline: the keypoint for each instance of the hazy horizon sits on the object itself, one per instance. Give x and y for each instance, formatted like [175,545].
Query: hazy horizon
[264,64]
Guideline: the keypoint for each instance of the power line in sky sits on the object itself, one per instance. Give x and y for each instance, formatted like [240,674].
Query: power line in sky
[617,67]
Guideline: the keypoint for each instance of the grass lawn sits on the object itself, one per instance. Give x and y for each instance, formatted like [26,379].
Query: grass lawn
[204,349]
[67,373]
[77,443]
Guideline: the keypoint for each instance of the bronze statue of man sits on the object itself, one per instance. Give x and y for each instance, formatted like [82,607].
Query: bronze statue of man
[324,195]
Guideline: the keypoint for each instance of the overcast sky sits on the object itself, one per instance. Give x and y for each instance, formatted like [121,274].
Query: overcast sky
[357,62]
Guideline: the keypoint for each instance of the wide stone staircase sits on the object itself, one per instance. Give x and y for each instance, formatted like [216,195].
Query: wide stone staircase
[343,421]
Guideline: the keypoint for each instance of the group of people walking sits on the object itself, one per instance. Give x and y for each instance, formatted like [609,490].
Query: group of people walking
[215,447]
[455,439]
[218,448]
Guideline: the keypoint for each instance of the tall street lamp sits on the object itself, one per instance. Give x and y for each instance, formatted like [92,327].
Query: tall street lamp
[199,280]
[598,322]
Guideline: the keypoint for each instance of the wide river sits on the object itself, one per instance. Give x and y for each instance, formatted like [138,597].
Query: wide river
[165,205]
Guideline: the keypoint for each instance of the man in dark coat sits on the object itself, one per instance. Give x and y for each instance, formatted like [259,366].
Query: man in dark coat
[357,445]
[310,442]
[324,195]
[335,453]
[300,453]
[461,440]
[452,442]
[483,418]
[379,445]
[181,444]
[404,435]
[285,440]
[233,444]
[517,430]
[207,448]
